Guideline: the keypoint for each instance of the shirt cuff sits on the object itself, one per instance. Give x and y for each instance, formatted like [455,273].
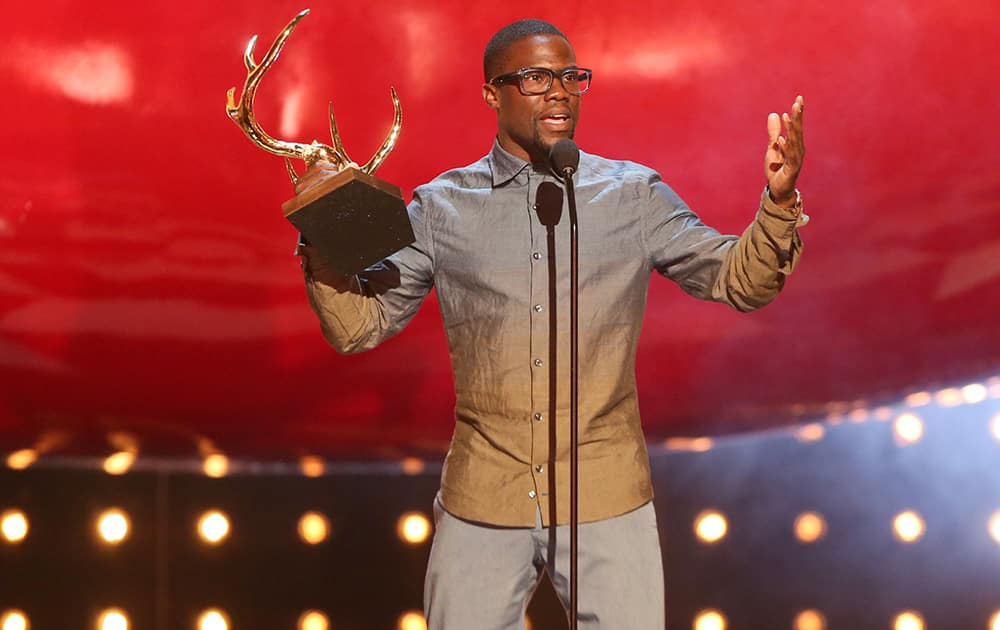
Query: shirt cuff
[793,215]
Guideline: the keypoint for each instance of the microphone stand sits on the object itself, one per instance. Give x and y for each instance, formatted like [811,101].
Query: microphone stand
[574,438]
[565,157]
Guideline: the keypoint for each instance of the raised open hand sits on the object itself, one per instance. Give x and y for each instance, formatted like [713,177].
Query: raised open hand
[783,158]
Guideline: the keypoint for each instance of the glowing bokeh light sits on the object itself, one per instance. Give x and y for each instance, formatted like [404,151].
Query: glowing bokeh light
[413,528]
[14,526]
[810,527]
[810,432]
[995,427]
[909,620]
[216,465]
[710,526]
[314,620]
[810,620]
[119,463]
[213,619]
[995,621]
[692,445]
[908,526]
[412,465]
[994,527]
[312,465]
[113,526]
[14,620]
[113,619]
[709,620]
[948,397]
[213,527]
[412,620]
[314,528]
[918,399]
[19,460]
[908,429]
[974,393]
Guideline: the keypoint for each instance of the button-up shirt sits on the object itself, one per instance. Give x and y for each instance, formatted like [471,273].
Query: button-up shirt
[503,285]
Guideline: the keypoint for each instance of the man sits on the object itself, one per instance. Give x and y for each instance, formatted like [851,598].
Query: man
[499,279]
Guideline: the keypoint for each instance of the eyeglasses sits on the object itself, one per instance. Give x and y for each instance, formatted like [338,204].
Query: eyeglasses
[534,81]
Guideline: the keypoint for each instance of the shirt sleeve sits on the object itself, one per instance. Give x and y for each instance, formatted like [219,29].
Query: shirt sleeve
[746,272]
[359,312]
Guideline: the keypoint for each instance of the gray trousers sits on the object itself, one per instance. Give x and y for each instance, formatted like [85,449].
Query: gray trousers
[481,577]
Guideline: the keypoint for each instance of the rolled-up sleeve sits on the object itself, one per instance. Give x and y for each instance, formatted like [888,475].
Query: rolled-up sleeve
[359,312]
[746,272]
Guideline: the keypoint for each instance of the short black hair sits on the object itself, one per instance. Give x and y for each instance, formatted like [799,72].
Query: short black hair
[509,34]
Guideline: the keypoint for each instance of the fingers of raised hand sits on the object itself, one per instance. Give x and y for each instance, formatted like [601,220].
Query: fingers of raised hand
[773,128]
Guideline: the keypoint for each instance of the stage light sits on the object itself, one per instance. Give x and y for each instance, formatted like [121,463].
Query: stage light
[710,526]
[113,526]
[908,429]
[908,526]
[19,460]
[810,432]
[995,621]
[995,427]
[213,527]
[974,393]
[810,620]
[314,620]
[919,399]
[948,397]
[909,620]
[411,465]
[995,527]
[883,413]
[810,527]
[691,445]
[312,466]
[709,620]
[858,415]
[113,619]
[216,465]
[14,620]
[213,619]
[314,528]
[413,528]
[119,463]
[13,526]
[412,620]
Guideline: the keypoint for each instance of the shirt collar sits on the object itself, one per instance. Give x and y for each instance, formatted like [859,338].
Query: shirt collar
[504,165]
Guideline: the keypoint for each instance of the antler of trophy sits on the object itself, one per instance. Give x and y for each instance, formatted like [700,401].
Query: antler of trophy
[243,115]
[351,219]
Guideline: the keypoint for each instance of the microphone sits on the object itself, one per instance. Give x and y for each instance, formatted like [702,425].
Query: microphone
[565,157]
[549,204]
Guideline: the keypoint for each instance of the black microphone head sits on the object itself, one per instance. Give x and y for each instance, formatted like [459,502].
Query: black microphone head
[565,157]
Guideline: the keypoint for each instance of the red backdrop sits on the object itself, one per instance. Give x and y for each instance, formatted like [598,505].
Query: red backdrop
[146,276]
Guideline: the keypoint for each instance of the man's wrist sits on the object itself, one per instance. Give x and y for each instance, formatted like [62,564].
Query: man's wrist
[789,201]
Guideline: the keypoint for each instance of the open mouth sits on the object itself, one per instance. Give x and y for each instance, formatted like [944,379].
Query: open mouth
[557,122]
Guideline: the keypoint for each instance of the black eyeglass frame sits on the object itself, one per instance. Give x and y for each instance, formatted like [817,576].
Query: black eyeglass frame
[517,77]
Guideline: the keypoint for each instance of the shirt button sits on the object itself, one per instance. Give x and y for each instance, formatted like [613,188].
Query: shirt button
[538,363]
[538,417]
[538,308]
[531,494]
[534,206]
[539,468]
[536,256]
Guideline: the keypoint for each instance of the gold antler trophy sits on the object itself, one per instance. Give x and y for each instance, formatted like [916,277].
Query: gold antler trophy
[352,219]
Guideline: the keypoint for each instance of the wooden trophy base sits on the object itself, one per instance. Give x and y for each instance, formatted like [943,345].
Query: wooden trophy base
[352,220]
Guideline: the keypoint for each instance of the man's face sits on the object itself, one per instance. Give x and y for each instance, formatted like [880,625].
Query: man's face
[528,126]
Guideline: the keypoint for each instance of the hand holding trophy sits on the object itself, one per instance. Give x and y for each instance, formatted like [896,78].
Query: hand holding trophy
[352,219]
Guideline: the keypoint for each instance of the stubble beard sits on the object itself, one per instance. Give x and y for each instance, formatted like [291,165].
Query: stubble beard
[542,146]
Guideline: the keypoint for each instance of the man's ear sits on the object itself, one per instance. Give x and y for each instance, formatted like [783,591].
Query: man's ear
[491,96]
